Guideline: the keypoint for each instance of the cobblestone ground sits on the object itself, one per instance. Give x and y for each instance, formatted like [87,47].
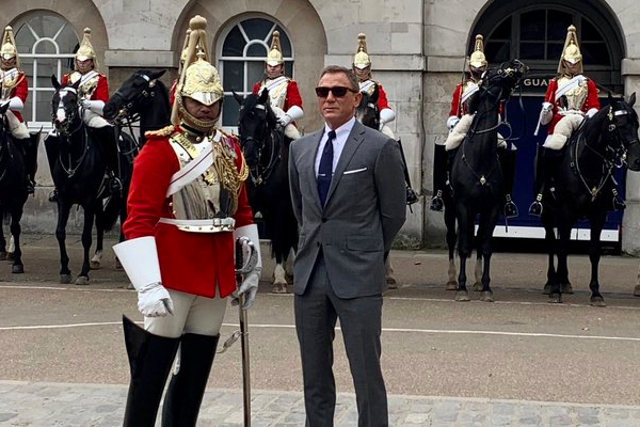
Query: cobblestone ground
[34,404]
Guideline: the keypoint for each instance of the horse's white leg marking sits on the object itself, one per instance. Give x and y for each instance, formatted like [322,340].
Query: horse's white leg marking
[279,275]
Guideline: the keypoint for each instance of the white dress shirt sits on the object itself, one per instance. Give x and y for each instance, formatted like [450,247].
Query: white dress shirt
[342,133]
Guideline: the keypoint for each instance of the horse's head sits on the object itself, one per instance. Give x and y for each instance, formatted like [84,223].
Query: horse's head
[368,112]
[621,124]
[501,80]
[255,123]
[65,107]
[133,95]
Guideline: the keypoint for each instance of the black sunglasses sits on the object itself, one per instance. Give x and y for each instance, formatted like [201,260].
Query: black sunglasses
[337,91]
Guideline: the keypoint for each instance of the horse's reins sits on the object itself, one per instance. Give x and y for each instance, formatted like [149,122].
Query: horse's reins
[257,177]
[64,131]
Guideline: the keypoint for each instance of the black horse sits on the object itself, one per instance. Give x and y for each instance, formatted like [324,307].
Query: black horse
[368,112]
[266,150]
[582,179]
[78,172]
[13,190]
[476,175]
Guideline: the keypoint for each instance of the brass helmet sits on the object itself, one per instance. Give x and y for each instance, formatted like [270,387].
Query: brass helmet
[477,58]
[199,79]
[86,51]
[571,51]
[275,54]
[9,49]
[361,59]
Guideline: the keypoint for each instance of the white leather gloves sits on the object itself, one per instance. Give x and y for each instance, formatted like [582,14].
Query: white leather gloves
[452,122]
[387,115]
[285,120]
[15,103]
[592,112]
[546,113]
[250,280]
[139,258]
[154,300]
[95,106]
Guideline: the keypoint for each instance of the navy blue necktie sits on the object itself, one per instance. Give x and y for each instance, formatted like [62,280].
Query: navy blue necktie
[325,170]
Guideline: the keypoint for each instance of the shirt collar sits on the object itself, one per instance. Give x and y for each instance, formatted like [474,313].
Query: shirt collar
[343,131]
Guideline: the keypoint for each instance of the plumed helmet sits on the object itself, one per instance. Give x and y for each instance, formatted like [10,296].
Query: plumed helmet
[9,49]
[184,52]
[477,58]
[275,53]
[361,59]
[571,51]
[199,79]
[86,51]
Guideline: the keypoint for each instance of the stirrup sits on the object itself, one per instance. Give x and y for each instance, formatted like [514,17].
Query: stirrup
[115,185]
[53,196]
[437,204]
[510,208]
[536,207]
[618,203]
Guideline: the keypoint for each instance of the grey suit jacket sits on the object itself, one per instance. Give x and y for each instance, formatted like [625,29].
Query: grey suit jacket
[364,211]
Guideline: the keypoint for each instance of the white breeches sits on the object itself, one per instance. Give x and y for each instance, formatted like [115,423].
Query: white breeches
[192,314]
[562,131]
[94,120]
[460,130]
[388,132]
[18,129]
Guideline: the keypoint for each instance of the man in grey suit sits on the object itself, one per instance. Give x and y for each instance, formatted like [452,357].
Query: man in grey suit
[348,195]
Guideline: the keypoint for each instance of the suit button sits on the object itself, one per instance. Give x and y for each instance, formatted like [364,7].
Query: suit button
[324,219]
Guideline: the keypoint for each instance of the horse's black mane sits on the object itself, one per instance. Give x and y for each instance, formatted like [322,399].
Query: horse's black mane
[250,103]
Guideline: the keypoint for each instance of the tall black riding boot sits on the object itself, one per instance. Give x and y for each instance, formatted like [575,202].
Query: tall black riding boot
[150,359]
[439,177]
[535,208]
[184,395]
[31,160]
[508,163]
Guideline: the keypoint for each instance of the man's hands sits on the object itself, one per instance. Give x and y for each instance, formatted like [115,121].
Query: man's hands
[285,120]
[248,288]
[154,300]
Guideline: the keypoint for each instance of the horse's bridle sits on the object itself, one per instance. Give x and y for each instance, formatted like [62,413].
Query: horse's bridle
[70,117]
[259,174]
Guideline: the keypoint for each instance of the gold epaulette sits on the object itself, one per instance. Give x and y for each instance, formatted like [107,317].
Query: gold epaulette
[160,133]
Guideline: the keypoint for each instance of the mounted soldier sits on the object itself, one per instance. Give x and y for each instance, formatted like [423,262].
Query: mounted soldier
[14,90]
[362,68]
[458,123]
[570,98]
[283,91]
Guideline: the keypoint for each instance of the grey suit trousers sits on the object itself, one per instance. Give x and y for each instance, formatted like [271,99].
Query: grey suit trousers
[316,312]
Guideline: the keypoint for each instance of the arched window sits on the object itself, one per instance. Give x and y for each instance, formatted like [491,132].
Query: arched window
[241,60]
[46,45]
[535,33]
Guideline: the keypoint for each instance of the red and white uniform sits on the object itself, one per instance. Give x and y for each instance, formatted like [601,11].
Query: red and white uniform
[93,86]
[196,263]
[369,86]
[458,103]
[15,84]
[283,91]
[583,96]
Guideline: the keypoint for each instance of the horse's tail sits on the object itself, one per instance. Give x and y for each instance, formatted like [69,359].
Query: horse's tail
[109,213]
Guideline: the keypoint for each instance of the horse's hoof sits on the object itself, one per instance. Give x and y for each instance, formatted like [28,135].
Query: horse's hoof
[279,288]
[555,299]
[452,285]
[95,265]
[567,289]
[82,280]
[17,269]
[636,291]
[3,256]
[546,290]
[477,287]
[10,256]
[65,279]
[487,296]
[462,296]
[118,264]
[598,302]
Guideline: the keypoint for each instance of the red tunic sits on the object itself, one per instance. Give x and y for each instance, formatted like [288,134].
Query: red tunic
[189,262]
[459,109]
[383,102]
[293,95]
[592,101]
[102,89]
[21,90]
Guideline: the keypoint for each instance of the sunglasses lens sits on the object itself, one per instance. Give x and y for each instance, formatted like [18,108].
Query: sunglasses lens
[339,91]
[322,92]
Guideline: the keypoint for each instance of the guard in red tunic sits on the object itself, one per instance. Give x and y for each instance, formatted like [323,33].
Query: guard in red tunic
[14,90]
[458,124]
[187,205]
[569,99]
[283,91]
[362,70]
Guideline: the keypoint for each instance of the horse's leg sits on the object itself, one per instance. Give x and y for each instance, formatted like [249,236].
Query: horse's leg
[564,236]
[12,247]
[597,224]
[477,271]
[16,215]
[97,256]
[450,222]
[552,249]
[3,242]
[89,215]
[465,237]
[63,216]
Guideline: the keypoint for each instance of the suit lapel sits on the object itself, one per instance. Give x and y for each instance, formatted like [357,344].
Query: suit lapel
[353,142]
[310,165]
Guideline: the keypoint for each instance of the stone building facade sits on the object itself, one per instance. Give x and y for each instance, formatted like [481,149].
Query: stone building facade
[418,49]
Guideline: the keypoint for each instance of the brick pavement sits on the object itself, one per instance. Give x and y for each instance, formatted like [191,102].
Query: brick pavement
[37,404]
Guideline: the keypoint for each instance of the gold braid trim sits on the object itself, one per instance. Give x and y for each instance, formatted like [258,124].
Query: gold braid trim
[230,178]
[165,131]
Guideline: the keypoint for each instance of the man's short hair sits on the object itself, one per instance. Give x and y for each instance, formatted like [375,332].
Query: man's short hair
[337,69]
